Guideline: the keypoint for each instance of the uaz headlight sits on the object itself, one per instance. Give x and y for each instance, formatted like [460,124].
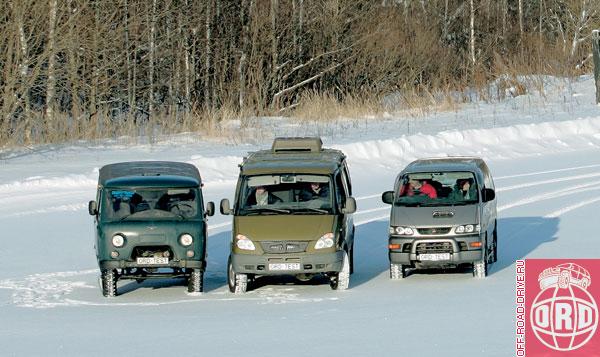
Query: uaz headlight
[186,239]
[118,240]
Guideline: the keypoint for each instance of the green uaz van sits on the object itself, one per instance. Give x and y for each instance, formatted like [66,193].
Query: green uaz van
[151,222]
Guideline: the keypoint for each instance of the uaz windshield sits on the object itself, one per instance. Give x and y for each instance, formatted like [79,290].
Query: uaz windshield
[150,204]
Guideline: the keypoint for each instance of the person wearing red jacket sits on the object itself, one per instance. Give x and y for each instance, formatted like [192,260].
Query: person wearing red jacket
[421,188]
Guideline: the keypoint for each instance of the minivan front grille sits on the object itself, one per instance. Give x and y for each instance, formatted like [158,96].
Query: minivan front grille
[282,247]
[434,247]
[433,230]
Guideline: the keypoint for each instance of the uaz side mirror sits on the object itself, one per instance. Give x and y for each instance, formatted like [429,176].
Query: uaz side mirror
[93,208]
[210,209]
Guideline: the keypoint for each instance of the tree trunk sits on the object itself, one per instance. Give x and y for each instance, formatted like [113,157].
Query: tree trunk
[51,81]
[274,50]
[208,54]
[245,8]
[128,59]
[73,69]
[521,19]
[152,50]
[472,33]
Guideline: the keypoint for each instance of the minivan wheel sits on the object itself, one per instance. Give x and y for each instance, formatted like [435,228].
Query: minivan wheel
[238,283]
[352,259]
[495,245]
[196,281]
[397,271]
[480,267]
[109,282]
[341,279]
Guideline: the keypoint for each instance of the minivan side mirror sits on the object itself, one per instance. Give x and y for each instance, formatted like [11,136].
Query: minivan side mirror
[350,206]
[93,208]
[388,197]
[210,209]
[225,209]
[488,194]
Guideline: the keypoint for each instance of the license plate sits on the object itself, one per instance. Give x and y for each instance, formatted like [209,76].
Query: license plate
[435,256]
[284,266]
[152,260]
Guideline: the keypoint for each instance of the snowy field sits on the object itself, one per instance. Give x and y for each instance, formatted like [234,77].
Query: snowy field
[543,150]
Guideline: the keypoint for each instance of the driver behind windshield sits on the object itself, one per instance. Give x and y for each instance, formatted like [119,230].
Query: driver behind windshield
[464,190]
[262,197]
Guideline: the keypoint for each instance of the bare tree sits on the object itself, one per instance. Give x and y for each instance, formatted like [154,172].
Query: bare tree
[51,82]
[472,32]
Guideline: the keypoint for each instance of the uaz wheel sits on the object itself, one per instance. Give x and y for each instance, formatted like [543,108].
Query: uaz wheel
[196,281]
[109,282]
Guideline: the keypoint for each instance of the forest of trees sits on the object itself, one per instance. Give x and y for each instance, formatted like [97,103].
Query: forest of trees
[80,69]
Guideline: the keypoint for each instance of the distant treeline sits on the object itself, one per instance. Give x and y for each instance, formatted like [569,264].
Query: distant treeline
[74,69]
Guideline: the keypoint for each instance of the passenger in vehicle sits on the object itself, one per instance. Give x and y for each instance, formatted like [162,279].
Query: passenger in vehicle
[138,203]
[464,190]
[262,197]
[313,191]
[418,187]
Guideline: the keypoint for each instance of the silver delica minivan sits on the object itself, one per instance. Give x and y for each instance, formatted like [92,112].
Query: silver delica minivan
[443,215]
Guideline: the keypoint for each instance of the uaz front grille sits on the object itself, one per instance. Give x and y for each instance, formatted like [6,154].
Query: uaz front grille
[433,230]
[281,247]
[434,247]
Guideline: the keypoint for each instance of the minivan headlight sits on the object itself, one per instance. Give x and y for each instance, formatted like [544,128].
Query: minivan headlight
[402,230]
[118,240]
[467,228]
[244,243]
[326,241]
[186,239]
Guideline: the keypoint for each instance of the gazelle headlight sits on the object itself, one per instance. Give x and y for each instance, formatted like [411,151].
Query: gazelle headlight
[186,239]
[118,240]
[326,241]
[403,231]
[242,242]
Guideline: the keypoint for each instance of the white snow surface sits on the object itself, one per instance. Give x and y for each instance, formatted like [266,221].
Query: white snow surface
[544,152]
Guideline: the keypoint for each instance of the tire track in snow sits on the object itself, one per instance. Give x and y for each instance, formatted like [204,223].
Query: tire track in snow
[570,208]
[592,186]
[52,290]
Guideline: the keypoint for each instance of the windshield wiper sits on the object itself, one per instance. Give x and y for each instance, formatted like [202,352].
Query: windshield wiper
[268,209]
[312,209]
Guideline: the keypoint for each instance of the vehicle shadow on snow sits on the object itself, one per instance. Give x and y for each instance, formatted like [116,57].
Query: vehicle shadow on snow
[370,252]
[519,236]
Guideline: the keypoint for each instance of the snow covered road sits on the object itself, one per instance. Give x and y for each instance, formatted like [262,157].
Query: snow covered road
[547,183]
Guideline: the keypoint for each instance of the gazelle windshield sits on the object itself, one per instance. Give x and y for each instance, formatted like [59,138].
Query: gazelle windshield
[286,194]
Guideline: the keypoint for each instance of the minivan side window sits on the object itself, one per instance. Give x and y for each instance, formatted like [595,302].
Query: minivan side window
[487,177]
